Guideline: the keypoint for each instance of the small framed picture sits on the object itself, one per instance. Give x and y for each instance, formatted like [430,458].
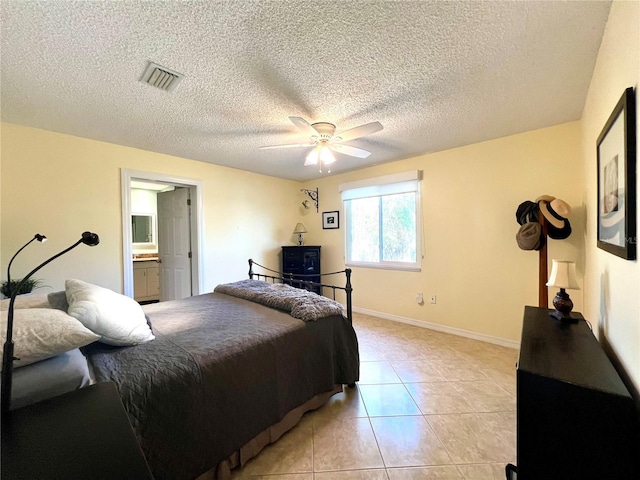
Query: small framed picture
[330,220]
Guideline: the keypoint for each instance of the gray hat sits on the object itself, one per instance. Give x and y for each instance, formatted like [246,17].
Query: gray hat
[529,236]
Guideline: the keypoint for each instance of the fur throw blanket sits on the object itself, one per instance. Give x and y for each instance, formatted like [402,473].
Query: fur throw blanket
[299,303]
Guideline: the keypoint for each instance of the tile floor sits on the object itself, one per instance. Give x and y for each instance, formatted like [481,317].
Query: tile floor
[428,406]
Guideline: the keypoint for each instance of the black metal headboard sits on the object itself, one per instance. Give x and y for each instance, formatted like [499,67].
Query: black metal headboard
[299,281]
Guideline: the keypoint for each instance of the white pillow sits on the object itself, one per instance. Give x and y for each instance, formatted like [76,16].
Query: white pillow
[119,320]
[40,333]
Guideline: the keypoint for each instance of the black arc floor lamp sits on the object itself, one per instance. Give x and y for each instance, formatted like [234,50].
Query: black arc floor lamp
[87,238]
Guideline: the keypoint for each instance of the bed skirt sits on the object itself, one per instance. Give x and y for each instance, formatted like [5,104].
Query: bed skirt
[252,448]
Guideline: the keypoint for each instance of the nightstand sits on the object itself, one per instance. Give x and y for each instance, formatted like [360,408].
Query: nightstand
[84,434]
[302,263]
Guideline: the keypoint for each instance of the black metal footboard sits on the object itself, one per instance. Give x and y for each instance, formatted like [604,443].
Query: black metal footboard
[299,281]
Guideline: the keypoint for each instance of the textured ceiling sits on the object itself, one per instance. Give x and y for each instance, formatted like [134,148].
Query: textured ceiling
[437,75]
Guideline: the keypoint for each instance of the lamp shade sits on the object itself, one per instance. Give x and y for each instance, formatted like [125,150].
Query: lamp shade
[563,275]
[326,156]
[300,228]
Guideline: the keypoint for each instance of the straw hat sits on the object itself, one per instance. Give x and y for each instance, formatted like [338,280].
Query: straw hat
[555,211]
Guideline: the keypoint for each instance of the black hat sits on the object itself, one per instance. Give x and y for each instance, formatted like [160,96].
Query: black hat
[527,212]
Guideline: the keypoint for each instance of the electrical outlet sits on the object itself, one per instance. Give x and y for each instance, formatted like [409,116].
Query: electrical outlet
[419,298]
[432,299]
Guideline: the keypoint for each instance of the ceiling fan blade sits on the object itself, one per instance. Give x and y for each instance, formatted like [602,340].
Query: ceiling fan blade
[288,145]
[303,125]
[357,132]
[348,150]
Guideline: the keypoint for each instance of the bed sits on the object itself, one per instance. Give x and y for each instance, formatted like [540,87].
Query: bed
[226,376]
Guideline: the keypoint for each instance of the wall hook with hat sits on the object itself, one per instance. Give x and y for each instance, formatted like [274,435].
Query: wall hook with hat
[529,236]
[546,217]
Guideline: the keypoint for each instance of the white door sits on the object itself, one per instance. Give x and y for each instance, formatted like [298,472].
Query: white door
[174,244]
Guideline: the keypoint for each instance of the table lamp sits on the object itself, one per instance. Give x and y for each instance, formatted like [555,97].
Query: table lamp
[300,229]
[563,275]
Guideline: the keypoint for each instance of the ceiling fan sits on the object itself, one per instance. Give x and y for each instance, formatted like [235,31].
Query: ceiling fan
[323,138]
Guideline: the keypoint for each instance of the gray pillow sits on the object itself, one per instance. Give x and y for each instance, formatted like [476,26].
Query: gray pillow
[58,300]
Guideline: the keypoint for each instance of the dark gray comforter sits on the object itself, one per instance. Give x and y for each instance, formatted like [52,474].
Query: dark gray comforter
[220,371]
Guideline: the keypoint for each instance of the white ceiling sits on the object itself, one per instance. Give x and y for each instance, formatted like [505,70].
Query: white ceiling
[437,75]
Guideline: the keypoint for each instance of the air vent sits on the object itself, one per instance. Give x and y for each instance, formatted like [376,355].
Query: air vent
[161,77]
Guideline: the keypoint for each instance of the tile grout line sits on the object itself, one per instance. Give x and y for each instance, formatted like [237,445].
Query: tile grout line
[375,437]
[313,447]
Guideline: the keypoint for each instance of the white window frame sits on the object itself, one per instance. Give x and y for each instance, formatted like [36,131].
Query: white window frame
[406,182]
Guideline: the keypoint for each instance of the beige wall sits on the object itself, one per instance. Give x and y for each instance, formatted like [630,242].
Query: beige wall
[469,197]
[60,185]
[612,285]
[471,260]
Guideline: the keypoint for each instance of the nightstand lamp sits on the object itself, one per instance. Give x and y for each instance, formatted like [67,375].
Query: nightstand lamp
[300,229]
[563,275]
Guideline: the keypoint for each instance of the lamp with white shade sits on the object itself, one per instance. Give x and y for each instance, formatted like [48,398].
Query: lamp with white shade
[563,276]
[300,229]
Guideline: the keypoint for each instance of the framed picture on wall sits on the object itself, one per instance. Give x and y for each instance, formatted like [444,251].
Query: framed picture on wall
[616,147]
[330,220]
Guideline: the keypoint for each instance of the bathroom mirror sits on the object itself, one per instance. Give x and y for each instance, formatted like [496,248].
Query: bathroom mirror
[143,228]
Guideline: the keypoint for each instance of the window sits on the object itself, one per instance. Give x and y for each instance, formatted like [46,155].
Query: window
[382,222]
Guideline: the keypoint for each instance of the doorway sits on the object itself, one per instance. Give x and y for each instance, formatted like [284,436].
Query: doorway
[188,279]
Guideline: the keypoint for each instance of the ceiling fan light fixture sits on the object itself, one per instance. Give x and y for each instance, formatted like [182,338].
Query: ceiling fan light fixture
[312,158]
[326,156]
[324,140]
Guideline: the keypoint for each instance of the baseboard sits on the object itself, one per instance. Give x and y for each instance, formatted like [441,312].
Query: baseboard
[440,328]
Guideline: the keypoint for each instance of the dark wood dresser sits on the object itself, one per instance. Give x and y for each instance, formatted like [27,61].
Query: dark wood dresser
[576,419]
[302,263]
